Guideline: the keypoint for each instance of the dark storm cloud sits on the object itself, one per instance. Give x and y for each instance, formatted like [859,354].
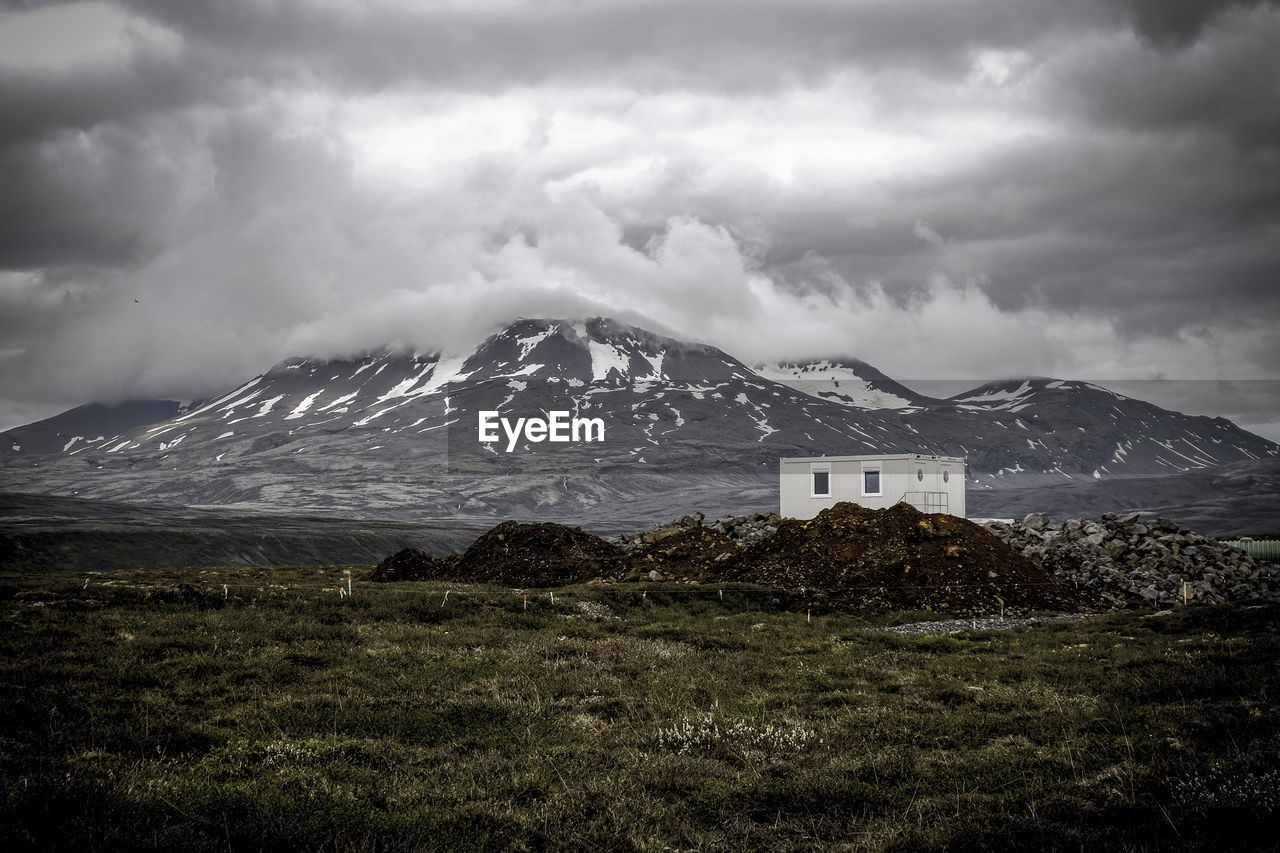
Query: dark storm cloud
[35,104]
[1223,86]
[1178,23]
[743,44]
[104,196]
[1131,192]
[30,5]
[718,44]
[1135,225]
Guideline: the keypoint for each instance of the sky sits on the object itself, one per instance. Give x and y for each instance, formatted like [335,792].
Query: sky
[947,189]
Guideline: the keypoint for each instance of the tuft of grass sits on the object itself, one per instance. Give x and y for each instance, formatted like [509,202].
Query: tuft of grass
[136,712]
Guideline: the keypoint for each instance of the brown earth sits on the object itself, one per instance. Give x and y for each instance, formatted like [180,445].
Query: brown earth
[525,555]
[900,558]
[848,557]
[681,553]
[414,564]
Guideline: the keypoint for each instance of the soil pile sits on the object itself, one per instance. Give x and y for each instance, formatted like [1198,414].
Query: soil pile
[680,553]
[848,557]
[526,555]
[851,556]
[742,530]
[414,564]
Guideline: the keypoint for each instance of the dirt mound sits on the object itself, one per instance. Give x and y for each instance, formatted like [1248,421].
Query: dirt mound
[847,557]
[525,555]
[690,553]
[644,538]
[414,564]
[900,558]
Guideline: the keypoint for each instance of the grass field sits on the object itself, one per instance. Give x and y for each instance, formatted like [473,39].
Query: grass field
[134,715]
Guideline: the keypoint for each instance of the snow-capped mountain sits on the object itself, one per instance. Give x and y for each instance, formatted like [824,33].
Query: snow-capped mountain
[851,382]
[393,432]
[1076,428]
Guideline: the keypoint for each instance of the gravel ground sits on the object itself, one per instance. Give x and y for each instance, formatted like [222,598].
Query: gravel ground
[948,626]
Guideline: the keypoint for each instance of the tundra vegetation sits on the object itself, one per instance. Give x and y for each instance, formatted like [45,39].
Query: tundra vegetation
[157,710]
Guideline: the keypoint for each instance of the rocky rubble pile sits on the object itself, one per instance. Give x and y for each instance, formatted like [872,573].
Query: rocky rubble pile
[748,529]
[853,557]
[680,553]
[847,557]
[1119,561]
[742,530]
[689,550]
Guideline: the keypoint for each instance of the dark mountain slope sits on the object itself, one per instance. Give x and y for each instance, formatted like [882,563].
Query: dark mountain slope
[399,433]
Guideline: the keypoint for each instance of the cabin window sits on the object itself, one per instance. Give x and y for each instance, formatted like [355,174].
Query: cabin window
[820,480]
[946,476]
[920,474]
[871,479]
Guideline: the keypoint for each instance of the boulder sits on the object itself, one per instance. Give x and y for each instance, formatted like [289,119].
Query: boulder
[1116,561]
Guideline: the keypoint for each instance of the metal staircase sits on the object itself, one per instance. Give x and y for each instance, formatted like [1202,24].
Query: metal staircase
[927,502]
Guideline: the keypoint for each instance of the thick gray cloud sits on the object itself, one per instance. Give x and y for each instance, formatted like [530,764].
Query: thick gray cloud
[721,44]
[1177,23]
[1051,186]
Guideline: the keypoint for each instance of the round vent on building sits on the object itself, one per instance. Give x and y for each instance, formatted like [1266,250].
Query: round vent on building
[946,475]
[920,474]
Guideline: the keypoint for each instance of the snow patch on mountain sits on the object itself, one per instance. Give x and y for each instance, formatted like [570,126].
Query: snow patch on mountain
[838,383]
[221,399]
[605,358]
[301,409]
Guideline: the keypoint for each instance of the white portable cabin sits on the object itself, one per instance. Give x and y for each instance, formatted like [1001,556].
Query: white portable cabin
[809,484]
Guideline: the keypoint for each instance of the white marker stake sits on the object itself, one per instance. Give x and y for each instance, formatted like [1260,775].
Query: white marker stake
[722,595]
[225,592]
[526,602]
[348,583]
[808,616]
[553,596]
[446,598]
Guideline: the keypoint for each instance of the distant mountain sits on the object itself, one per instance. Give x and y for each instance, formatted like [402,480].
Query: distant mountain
[851,382]
[1075,428]
[685,425]
[91,422]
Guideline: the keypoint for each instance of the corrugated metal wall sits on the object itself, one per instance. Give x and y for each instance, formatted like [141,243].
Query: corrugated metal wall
[1259,549]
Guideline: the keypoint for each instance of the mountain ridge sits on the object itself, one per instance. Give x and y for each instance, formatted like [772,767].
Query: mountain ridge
[393,430]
